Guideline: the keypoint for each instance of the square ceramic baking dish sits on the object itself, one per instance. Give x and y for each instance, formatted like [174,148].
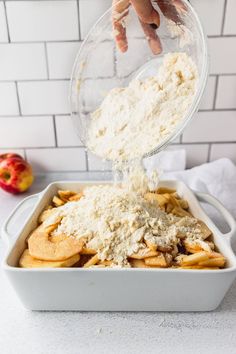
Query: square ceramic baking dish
[118,289]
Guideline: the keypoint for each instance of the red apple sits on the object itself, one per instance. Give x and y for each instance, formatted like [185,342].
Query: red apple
[10,154]
[15,173]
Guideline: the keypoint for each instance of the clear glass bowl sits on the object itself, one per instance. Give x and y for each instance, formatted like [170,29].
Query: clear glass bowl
[100,66]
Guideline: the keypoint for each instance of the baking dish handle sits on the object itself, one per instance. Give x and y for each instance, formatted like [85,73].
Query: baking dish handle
[23,205]
[203,197]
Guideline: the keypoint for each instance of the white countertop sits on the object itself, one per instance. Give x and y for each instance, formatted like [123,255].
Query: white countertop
[26,332]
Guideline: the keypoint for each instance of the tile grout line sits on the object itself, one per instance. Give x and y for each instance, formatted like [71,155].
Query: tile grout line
[218,110]
[78,18]
[18,99]
[42,171]
[41,41]
[115,59]
[206,142]
[83,148]
[215,93]
[80,40]
[89,79]
[55,130]
[26,157]
[60,79]
[209,152]
[46,59]
[221,36]
[35,115]
[51,147]
[7,23]
[86,159]
[68,114]
[223,18]
[36,80]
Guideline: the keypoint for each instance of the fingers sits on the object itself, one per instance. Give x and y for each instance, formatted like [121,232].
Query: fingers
[146,12]
[170,9]
[180,6]
[120,11]
[147,15]
[150,21]
[120,36]
[153,39]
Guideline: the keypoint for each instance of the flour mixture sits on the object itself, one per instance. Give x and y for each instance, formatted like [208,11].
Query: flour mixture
[134,120]
[115,221]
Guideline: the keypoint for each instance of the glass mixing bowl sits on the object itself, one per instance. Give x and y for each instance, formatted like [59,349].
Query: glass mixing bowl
[100,66]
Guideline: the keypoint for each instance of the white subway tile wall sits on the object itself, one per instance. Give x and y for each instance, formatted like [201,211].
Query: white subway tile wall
[226,93]
[196,153]
[61,56]
[44,97]
[43,160]
[24,61]
[3,24]
[222,55]
[221,150]
[90,11]
[65,132]
[39,40]
[8,99]
[230,23]
[104,56]
[212,13]
[42,20]
[26,132]
[207,101]
[211,126]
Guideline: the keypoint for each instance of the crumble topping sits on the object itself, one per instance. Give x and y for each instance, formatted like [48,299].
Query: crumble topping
[133,120]
[116,222]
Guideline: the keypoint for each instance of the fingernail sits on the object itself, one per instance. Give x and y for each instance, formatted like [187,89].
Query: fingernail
[155,46]
[123,46]
[154,26]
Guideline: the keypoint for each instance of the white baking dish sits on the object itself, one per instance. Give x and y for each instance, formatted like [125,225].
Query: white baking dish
[118,289]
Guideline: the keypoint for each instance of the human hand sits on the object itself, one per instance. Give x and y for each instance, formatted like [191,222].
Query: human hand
[149,19]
